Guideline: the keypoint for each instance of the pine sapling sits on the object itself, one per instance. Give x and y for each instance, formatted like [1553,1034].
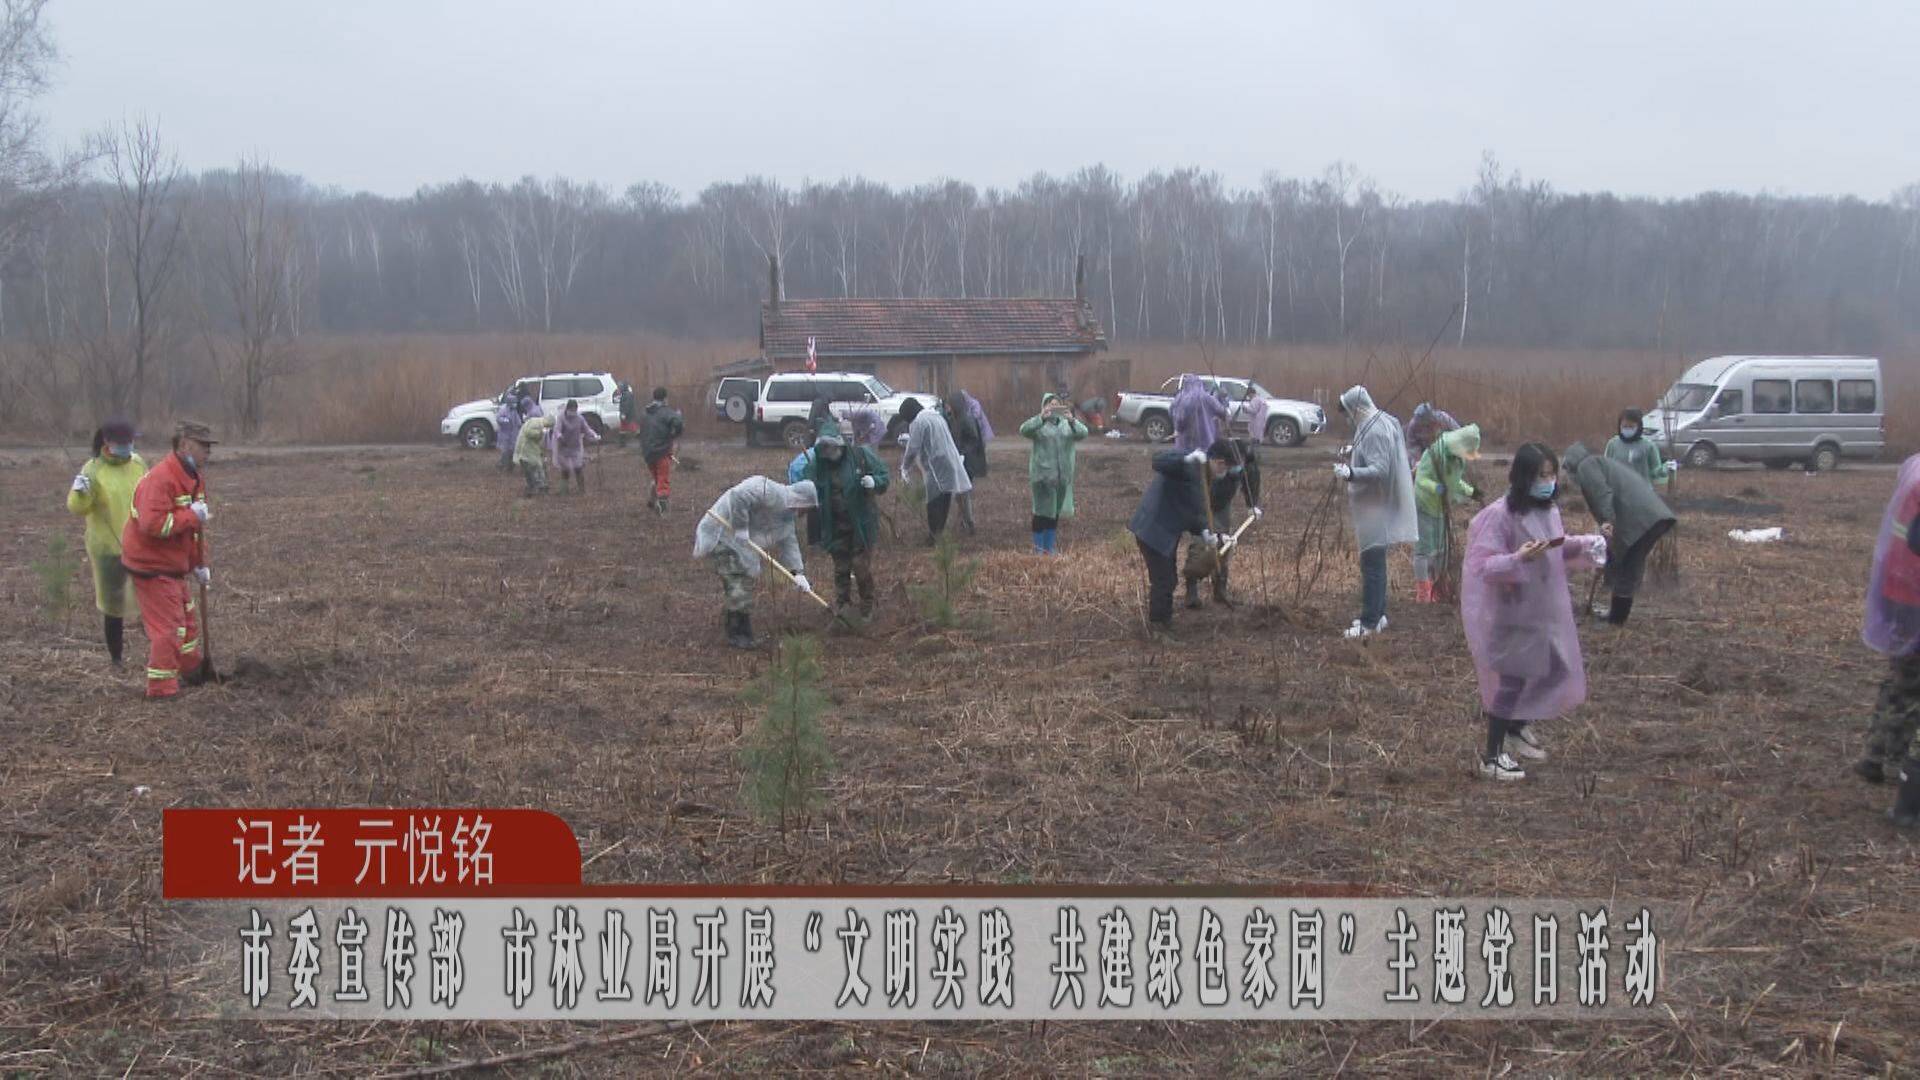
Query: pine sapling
[952,577]
[55,571]
[787,758]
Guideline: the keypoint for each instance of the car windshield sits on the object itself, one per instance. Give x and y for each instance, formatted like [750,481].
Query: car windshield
[880,389]
[1688,397]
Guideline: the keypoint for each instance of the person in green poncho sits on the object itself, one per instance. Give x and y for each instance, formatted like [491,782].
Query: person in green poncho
[1632,449]
[103,494]
[1050,468]
[846,478]
[1439,484]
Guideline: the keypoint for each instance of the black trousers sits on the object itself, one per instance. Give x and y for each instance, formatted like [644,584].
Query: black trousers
[937,507]
[1163,573]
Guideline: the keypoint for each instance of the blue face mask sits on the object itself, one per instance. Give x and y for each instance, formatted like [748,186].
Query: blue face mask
[1542,489]
[1629,432]
[1236,470]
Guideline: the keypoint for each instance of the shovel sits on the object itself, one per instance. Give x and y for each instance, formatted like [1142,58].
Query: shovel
[784,572]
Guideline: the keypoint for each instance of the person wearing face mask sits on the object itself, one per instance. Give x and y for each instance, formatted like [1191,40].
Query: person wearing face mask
[1632,517]
[1242,478]
[103,494]
[1173,505]
[1055,433]
[1380,497]
[846,479]
[756,511]
[1642,455]
[161,548]
[1440,484]
[1515,611]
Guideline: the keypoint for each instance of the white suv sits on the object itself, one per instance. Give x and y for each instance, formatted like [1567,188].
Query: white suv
[780,405]
[597,392]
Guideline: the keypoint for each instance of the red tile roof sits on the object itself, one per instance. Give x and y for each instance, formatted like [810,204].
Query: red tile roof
[873,327]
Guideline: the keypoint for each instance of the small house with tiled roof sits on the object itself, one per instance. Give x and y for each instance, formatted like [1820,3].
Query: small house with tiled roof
[1006,351]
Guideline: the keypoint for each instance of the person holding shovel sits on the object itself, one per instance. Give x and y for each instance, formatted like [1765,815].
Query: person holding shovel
[1892,629]
[1440,484]
[1632,517]
[161,549]
[846,481]
[659,438]
[1514,609]
[1380,498]
[1241,478]
[1174,504]
[1054,432]
[103,494]
[755,515]
[570,437]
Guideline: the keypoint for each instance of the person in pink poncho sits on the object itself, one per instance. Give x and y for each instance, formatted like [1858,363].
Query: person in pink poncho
[1197,415]
[570,436]
[1892,629]
[1518,614]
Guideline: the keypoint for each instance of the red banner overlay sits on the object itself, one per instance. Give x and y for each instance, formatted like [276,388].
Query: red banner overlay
[239,854]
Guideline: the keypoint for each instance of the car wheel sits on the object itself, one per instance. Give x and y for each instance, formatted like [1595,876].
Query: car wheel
[476,434]
[795,434]
[736,409]
[599,426]
[1157,427]
[1826,458]
[1284,432]
[1702,455]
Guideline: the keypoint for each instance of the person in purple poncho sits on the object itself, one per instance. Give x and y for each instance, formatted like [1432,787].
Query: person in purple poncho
[1517,614]
[1197,415]
[571,433]
[1892,629]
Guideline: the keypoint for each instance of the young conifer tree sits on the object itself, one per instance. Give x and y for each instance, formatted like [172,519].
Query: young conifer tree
[787,759]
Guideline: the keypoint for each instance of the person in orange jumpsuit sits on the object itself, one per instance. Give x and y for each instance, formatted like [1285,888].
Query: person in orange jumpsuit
[163,551]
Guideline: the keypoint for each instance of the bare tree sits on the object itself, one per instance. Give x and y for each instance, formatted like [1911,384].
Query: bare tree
[147,225]
[259,271]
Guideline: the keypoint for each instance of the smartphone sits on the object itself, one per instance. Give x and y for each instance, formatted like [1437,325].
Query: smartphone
[1556,541]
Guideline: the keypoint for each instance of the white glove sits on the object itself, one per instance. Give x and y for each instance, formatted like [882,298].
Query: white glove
[1347,450]
[1599,551]
[1210,538]
[1258,513]
[1197,458]
[867,482]
[1673,466]
[81,484]
[800,582]
[200,510]
[902,440]
[203,575]
[1343,471]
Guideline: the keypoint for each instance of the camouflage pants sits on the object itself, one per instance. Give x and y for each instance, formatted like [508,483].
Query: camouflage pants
[736,584]
[1896,717]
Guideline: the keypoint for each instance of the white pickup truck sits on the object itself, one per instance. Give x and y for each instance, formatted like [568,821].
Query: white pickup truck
[1289,422]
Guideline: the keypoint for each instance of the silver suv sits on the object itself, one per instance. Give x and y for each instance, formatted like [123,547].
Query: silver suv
[778,407]
[597,392]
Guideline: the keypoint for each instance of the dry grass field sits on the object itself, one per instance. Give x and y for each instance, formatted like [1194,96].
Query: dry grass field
[403,629]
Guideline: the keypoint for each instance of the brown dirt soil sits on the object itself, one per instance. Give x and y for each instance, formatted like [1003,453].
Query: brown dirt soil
[405,630]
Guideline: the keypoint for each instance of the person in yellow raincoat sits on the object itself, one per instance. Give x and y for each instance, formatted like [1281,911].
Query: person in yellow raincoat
[103,494]
[530,452]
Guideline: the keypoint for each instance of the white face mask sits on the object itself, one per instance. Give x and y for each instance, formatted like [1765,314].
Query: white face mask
[1628,432]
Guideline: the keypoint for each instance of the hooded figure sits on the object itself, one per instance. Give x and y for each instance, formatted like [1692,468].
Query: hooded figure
[659,435]
[756,511]
[972,444]
[1631,515]
[530,452]
[930,448]
[1892,628]
[1632,449]
[846,480]
[103,494]
[570,436]
[1173,505]
[1515,609]
[1242,479]
[1197,415]
[1439,484]
[1054,431]
[1380,497]
[506,424]
[1426,425]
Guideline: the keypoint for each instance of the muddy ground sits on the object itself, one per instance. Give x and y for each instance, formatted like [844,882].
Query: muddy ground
[408,631]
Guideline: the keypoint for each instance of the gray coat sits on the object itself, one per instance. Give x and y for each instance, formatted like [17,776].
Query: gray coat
[1616,495]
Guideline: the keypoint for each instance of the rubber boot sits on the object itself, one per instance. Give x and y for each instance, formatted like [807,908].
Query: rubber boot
[1906,805]
[1053,541]
[1193,593]
[1622,607]
[738,634]
[1040,541]
[116,631]
[1423,592]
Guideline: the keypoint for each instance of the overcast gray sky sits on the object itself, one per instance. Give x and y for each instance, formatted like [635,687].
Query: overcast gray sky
[1659,98]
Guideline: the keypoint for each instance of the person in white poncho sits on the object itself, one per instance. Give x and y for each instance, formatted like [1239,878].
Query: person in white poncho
[757,511]
[931,450]
[1380,495]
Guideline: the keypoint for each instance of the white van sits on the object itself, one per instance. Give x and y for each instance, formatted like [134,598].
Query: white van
[1780,410]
